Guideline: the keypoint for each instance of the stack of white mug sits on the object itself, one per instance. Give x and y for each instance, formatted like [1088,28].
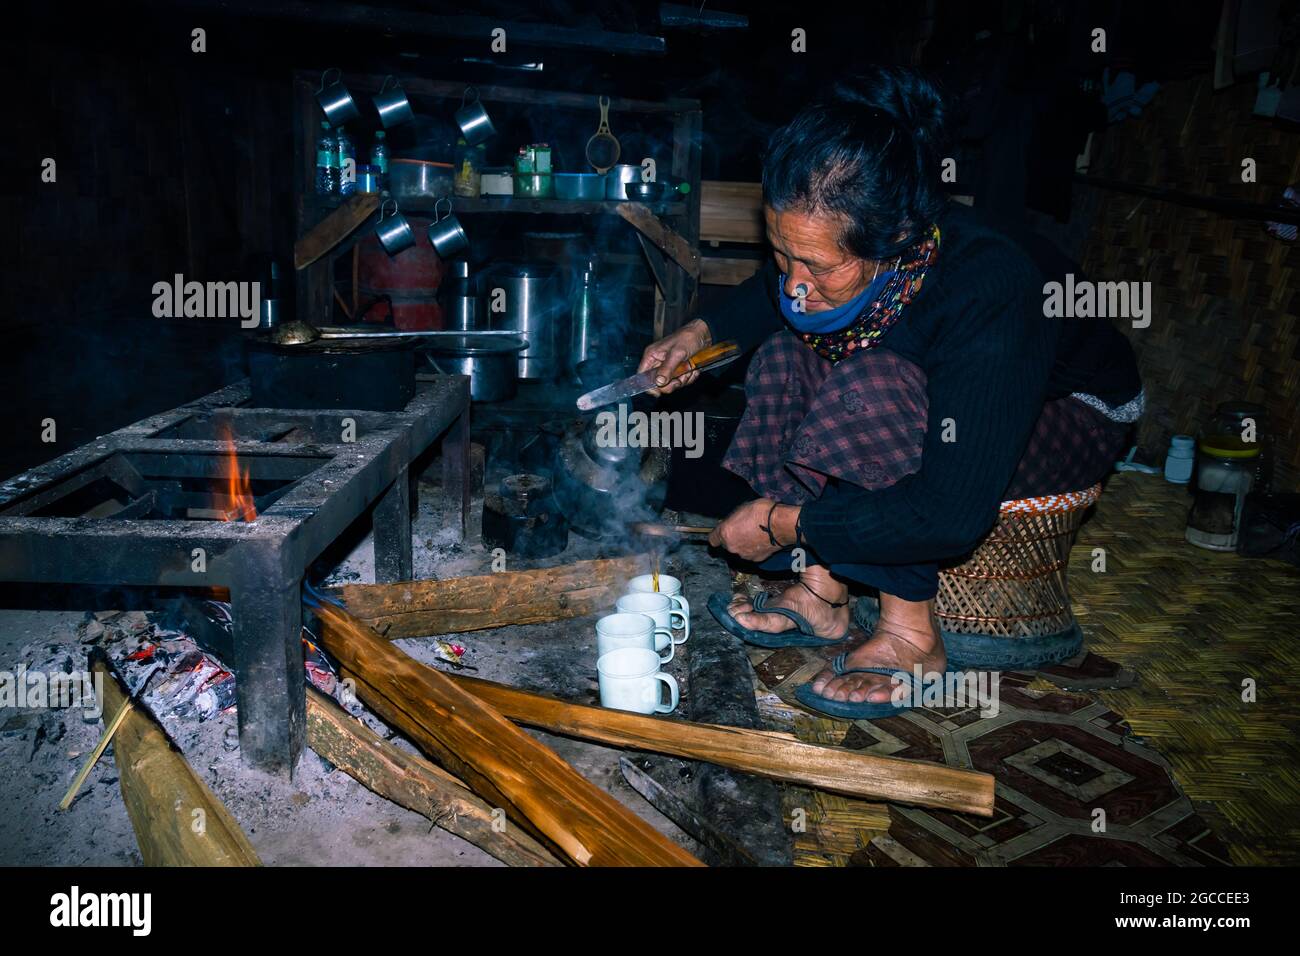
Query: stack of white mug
[631,645]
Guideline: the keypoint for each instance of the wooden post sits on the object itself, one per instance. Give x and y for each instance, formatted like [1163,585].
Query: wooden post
[414,783]
[501,763]
[177,820]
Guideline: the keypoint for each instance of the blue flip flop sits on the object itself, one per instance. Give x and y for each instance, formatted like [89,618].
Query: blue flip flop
[854,710]
[801,636]
[987,651]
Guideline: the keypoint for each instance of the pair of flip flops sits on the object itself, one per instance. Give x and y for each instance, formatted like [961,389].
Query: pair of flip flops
[802,635]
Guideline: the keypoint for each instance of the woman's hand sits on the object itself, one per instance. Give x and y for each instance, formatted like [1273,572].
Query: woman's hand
[741,532]
[670,351]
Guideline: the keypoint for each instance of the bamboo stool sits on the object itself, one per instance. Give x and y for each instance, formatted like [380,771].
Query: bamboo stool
[1007,605]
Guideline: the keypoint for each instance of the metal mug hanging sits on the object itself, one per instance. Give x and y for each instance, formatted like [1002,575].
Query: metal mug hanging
[396,234]
[446,234]
[473,120]
[392,105]
[335,99]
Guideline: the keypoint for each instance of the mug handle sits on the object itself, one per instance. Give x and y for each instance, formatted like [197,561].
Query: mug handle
[674,694]
[438,205]
[686,624]
[464,97]
[384,85]
[671,649]
[323,82]
[385,206]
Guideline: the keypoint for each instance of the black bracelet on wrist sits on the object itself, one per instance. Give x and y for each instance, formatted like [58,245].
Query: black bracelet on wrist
[768,527]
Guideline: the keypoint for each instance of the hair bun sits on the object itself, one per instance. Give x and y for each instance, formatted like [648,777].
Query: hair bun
[907,96]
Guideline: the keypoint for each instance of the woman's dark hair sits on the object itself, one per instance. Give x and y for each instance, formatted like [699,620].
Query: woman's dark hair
[868,151]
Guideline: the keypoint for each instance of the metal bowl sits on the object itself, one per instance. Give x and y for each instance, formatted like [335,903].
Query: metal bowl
[419,179]
[644,192]
[579,185]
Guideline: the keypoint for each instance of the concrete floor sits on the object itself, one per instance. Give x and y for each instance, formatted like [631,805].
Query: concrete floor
[323,817]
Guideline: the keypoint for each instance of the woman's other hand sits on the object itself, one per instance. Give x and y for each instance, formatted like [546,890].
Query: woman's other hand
[670,351]
[741,532]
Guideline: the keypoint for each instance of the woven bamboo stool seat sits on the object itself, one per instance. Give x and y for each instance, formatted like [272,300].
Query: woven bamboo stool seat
[1007,605]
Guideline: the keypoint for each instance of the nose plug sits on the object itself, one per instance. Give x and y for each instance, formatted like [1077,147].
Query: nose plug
[801,290]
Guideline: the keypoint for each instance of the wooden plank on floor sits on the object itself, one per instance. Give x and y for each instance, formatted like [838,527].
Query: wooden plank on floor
[424,608]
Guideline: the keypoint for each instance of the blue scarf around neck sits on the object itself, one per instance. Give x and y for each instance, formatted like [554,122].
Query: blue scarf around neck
[831,320]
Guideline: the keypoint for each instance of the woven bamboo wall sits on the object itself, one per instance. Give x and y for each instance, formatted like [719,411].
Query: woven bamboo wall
[1226,294]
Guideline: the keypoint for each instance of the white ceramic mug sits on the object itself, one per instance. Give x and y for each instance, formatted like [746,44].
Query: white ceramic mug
[660,607]
[630,679]
[645,584]
[626,629]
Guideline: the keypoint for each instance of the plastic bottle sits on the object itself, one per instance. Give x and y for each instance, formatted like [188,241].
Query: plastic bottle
[347,163]
[1181,459]
[379,157]
[327,162]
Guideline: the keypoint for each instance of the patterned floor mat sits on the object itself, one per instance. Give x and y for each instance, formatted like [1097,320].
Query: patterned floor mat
[1074,786]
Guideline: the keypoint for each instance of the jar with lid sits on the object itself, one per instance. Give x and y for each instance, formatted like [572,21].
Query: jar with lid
[1241,430]
[470,161]
[1224,477]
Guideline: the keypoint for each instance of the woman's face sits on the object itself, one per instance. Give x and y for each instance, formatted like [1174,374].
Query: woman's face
[807,250]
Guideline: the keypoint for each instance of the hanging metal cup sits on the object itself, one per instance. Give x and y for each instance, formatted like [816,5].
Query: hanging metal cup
[335,99]
[473,120]
[446,234]
[395,233]
[393,107]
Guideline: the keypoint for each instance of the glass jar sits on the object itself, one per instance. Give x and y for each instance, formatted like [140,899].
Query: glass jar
[1222,483]
[1241,430]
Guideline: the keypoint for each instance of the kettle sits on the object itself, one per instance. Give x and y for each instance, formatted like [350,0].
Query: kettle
[601,489]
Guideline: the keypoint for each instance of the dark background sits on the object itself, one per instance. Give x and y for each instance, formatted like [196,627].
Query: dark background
[172,161]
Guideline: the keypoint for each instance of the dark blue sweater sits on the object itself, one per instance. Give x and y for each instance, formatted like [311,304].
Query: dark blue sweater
[991,358]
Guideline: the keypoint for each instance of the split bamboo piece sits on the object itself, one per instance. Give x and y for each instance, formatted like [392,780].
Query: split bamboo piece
[423,608]
[501,763]
[774,755]
[105,739]
[414,783]
[164,798]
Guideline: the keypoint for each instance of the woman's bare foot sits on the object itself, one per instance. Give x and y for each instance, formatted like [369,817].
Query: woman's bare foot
[905,635]
[828,622]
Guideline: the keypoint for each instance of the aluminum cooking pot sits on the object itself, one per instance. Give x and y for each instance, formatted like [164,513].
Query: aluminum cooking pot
[533,304]
[489,359]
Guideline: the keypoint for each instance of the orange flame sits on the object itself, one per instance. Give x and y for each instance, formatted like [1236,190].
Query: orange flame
[239,503]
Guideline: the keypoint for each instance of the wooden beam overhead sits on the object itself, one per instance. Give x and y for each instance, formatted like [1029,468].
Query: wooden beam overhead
[402,23]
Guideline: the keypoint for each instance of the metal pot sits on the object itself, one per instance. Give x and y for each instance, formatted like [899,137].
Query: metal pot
[535,308]
[332,373]
[618,177]
[490,360]
[418,179]
[463,306]
[579,185]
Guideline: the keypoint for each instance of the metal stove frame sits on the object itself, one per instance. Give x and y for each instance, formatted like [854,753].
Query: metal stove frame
[262,562]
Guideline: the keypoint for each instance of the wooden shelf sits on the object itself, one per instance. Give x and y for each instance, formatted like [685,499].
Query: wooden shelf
[668,231]
[522,204]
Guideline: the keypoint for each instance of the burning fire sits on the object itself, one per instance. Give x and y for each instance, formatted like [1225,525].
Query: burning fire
[239,504]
